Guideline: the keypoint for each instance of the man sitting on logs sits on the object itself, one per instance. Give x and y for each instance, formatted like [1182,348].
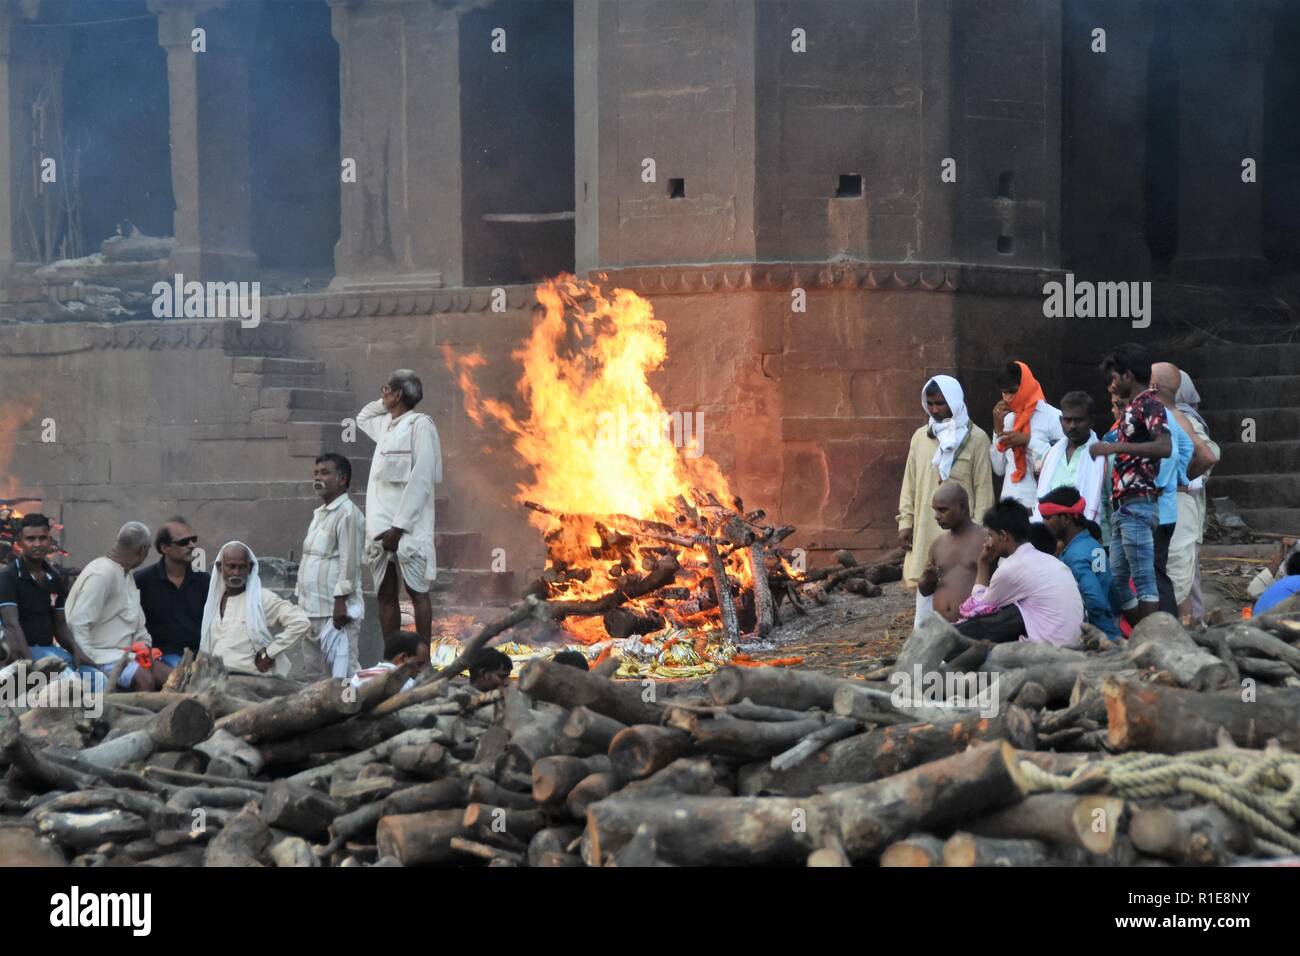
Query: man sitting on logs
[105,618]
[1031,597]
[950,573]
[239,615]
[1064,512]
[490,669]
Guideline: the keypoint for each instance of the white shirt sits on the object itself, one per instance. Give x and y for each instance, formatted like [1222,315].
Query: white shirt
[1044,431]
[230,634]
[103,612]
[331,556]
[407,464]
[1089,476]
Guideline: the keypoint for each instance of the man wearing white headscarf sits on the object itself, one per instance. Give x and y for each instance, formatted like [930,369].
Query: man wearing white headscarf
[239,616]
[948,448]
[399,500]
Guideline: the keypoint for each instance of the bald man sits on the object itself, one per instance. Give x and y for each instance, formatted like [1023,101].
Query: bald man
[954,556]
[1189,531]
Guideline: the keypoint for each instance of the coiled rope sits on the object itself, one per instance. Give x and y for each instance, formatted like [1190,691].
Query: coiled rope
[1259,788]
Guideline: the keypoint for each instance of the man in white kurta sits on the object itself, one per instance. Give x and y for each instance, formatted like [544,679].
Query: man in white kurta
[399,500]
[240,614]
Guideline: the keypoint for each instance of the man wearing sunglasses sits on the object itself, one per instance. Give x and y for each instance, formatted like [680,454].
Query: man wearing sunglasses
[172,592]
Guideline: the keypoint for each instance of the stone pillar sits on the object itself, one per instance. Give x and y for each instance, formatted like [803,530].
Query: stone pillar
[209,137]
[1105,139]
[30,64]
[399,87]
[1221,62]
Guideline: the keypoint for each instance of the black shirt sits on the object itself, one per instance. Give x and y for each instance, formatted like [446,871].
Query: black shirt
[37,602]
[172,615]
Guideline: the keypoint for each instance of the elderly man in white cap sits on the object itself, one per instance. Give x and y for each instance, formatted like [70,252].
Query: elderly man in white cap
[105,618]
[239,616]
[399,500]
[948,448]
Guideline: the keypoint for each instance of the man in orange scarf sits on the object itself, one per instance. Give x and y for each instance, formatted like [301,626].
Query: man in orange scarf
[1025,428]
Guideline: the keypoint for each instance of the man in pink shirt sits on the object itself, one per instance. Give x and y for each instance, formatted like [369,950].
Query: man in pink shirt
[1030,597]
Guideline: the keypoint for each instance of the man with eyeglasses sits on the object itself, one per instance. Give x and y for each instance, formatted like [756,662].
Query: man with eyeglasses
[173,593]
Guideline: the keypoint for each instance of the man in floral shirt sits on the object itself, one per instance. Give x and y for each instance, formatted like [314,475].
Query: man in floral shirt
[1143,440]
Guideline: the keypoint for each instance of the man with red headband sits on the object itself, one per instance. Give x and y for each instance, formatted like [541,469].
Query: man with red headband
[1065,511]
[1025,428]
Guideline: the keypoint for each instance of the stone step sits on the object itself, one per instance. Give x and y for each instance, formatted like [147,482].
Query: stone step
[1258,491]
[1254,391]
[1277,520]
[1239,360]
[328,399]
[1271,424]
[322,379]
[267,365]
[1245,458]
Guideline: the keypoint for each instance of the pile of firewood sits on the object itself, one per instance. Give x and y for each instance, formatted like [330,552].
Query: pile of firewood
[754,766]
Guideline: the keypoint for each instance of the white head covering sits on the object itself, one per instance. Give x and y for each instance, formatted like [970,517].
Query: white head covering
[951,433]
[259,633]
[1188,399]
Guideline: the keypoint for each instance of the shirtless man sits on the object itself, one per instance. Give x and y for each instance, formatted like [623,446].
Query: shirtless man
[950,572]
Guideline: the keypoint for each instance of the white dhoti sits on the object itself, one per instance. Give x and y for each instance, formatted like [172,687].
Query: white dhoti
[1184,546]
[416,563]
[400,494]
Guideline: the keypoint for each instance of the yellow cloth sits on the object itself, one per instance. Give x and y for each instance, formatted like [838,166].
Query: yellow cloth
[970,469]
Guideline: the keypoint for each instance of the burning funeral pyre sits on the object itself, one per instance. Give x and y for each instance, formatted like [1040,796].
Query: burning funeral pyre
[650,556]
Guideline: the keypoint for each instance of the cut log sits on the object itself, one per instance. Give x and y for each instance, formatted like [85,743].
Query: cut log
[747,831]
[968,849]
[229,756]
[620,623]
[188,798]
[874,705]
[159,814]
[486,790]
[1254,642]
[298,809]
[293,852]
[425,763]
[1199,836]
[749,739]
[831,854]
[181,725]
[764,605]
[37,770]
[1159,641]
[1172,720]
[593,731]
[241,842]
[420,839]
[551,840]
[778,687]
[1091,822]
[588,790]
[571,687]
[81,831]
[356,733]
[815,742]
[354,762]
[496,855]
[888,750]
[917,850]
[929,646]
[489,823]
[554,777]
[539,737]
[722,588]
[325,702]
[437,795]
[644,748]
[695,776]
[1275,672]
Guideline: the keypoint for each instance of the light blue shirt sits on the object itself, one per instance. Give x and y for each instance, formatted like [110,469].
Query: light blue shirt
[1173,471]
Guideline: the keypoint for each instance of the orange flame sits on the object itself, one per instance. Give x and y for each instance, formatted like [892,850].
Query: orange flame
[597,438]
